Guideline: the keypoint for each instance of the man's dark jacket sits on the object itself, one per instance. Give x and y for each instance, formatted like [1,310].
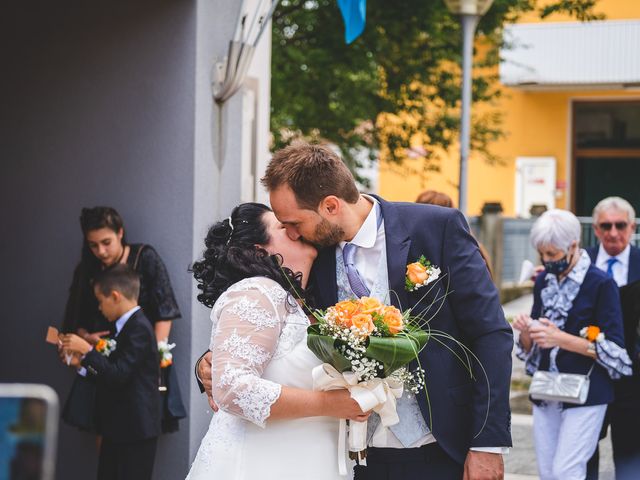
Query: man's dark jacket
[463,411]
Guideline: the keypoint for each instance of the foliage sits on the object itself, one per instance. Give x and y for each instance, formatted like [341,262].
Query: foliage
[395,91]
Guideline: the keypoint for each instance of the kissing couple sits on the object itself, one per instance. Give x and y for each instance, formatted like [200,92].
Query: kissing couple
[324,242]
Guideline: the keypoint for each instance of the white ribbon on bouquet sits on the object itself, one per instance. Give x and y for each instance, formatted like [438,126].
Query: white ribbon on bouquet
[379,395]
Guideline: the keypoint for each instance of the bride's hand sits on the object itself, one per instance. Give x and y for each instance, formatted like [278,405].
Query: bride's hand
[341,405]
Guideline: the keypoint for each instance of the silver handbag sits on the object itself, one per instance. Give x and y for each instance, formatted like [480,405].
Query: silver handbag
[560,387]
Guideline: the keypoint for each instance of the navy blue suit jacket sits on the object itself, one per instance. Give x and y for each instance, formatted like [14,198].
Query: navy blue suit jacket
[597,303]
[128,402]
[630,320]
[462,412]
[627,389]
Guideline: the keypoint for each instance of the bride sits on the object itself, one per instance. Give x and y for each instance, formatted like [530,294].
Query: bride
[270,425]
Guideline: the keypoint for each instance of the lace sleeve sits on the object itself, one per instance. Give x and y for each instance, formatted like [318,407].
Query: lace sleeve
[245,339]
[613,358]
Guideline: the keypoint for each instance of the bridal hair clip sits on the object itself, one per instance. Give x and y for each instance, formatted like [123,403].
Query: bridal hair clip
[231,227]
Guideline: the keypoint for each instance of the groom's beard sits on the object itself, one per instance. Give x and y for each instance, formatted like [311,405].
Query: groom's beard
[326,235]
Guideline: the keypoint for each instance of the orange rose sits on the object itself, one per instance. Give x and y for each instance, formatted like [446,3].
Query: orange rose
[592,333]
[393,319]
[344,311]
[363,321]
[165,363]
[101,345]
[417,273]
[370,305]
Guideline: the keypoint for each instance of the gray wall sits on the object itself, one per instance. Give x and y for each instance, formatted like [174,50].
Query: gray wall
[97,107]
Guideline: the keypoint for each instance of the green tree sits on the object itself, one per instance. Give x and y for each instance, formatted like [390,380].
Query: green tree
[398,83]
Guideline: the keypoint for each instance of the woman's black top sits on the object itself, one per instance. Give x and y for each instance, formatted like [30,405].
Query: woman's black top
[156,295]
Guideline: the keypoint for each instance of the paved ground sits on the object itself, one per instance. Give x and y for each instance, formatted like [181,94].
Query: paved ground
[520,464]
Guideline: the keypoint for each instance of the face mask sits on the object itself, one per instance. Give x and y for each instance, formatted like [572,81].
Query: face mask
[558,266]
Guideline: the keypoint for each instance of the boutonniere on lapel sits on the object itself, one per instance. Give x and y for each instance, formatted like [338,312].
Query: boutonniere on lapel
[420,273]
[106,346]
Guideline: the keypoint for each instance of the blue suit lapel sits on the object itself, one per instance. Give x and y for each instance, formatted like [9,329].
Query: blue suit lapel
[398,245]
[324,276]
[634,265]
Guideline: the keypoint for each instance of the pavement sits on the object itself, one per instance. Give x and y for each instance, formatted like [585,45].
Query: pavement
[520,463]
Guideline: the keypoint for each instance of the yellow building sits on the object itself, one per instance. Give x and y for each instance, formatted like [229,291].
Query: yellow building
[571,114]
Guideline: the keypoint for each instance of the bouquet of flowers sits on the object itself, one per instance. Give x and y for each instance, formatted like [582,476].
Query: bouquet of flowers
[106,346]
[366,347]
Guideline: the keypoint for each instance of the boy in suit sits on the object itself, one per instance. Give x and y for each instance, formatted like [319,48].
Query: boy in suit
[128,403]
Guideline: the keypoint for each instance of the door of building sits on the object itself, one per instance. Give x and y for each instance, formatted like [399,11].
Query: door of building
[606,153]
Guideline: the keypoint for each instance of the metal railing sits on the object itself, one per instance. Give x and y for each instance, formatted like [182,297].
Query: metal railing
[516,246]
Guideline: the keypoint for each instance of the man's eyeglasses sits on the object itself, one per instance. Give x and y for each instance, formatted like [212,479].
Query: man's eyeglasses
[606,226]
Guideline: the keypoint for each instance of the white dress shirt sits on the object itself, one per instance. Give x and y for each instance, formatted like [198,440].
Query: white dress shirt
[620,269]
[120,323]
[372,244]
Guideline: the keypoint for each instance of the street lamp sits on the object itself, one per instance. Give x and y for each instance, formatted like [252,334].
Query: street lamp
[470,12]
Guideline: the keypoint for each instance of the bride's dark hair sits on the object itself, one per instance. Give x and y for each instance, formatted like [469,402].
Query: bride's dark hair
[232,254]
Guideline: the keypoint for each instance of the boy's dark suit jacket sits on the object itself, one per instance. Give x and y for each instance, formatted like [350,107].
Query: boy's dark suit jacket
[128,400]
[464,412]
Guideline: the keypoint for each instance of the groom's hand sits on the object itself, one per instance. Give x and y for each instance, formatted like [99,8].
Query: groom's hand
[483,466]
[204,375]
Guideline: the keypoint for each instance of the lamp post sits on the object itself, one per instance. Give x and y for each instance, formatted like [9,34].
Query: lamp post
[470,12]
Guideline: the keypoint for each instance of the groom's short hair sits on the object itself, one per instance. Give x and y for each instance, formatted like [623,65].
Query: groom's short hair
[313,172]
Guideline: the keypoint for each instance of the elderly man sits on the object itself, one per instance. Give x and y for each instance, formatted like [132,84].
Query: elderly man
[614,225]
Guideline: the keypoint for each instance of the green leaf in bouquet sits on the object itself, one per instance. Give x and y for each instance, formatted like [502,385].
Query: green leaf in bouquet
[397,351]
[326,348]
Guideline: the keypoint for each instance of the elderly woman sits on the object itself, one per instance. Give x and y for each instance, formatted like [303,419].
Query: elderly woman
[570,296]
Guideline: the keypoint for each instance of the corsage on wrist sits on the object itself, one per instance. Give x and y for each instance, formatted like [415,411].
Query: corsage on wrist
[593,334]
[164,349]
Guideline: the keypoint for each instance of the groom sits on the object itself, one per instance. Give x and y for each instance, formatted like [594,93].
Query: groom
[365,245]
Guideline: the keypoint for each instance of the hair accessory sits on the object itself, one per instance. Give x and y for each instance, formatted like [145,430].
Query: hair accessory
[231,227]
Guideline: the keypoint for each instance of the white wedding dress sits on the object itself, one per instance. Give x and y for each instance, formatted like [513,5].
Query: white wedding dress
[259,343]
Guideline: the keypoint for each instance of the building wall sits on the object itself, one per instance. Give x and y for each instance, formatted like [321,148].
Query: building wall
[109,103]
[222,159]
[536,123]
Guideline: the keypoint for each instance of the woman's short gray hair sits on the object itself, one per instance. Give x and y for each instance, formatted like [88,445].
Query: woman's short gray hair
[557,228]
[614,203]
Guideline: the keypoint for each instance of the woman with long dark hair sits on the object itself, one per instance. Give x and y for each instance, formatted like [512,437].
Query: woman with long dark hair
[271,424]
[105,245]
